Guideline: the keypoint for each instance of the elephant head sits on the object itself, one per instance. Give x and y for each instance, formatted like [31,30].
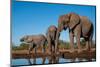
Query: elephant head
[68,21]
[26,39]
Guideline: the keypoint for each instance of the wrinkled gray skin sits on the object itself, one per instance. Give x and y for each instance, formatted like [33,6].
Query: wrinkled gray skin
[35,41]
[79,27]
[51,37]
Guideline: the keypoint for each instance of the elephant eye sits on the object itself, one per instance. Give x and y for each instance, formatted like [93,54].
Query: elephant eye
[26,37]
[64,22]
[61,24]
[67,20]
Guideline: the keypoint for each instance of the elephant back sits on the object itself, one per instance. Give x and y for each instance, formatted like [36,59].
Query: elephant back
[86,25]
[51,33]
[38,39]
[52,28]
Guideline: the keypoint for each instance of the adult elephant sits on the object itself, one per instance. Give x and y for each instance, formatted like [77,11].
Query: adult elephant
[51,37]
[79,26]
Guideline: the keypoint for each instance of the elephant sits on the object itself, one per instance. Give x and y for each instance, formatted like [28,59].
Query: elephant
[51,37]
[79,27]
[34,42]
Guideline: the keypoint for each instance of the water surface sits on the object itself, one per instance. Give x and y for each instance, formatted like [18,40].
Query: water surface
[39,61]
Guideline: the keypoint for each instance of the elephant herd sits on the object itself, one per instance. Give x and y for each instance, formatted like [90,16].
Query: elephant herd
[78,26]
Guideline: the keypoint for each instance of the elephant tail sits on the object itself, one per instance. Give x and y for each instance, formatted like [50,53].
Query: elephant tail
[91,31]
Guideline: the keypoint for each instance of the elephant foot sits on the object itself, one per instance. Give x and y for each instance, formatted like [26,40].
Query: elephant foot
[71,50]
[85,49]
[79,50]
[49,53]
[57,53]
[89,50]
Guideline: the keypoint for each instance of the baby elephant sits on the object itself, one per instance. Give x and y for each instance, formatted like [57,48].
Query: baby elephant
[35,41]
[51,37]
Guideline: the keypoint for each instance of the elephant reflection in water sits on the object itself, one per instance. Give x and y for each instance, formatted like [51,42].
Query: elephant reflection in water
[53,59]
[34,42]
[34,62]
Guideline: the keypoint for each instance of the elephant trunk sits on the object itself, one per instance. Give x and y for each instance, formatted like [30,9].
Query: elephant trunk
[21,40]
[57,42]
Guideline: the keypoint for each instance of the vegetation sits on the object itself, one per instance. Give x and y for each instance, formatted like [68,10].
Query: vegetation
[22,46]
[62,45]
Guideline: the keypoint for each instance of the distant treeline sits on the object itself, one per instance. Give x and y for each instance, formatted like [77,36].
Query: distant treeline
[62,45]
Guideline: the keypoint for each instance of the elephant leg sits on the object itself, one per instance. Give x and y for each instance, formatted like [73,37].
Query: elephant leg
[57,42]
[90,43]
[53,48]
[44,48]
[71,41]
[56,48]
[77,33]
[87,43]
[29,53]
[49,45]
[49,49]
[30,49]
[44,53]
[78,43]
[35,49]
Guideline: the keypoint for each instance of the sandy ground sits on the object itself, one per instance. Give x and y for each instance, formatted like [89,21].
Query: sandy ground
[66,53]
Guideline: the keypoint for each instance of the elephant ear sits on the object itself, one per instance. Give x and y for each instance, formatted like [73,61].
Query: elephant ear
[74,20]
[29,39]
